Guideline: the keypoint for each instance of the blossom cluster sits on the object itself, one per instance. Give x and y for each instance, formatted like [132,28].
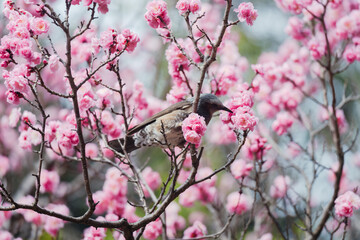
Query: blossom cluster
[52,225]
[280,187]
[295,7]
[281,84]
[346,203]
[196,230]
[256,146]
[152,179]
[113,41]
[205,191]
[178,62]
[49,181]
[242,116]
[292,66]
[188,6]
[157,15]
[18,43]
[112,198]
[174,221]
[228,74]
[241,169]
[246,12]
[194,128]
[238,203]
[340,117]
[343,24]
[102,4]
[153,230]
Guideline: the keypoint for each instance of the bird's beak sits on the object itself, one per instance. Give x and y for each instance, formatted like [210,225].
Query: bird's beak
[226,109]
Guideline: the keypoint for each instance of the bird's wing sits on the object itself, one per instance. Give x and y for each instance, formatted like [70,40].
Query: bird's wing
[177,106]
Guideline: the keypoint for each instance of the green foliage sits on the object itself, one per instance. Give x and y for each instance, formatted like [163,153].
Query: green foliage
[109,235]
[45,236]
[250,48]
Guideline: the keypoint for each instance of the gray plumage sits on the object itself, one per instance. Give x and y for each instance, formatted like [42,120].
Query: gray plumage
[168,122]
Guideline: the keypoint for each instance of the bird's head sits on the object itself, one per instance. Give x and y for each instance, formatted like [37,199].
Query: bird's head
[211,103]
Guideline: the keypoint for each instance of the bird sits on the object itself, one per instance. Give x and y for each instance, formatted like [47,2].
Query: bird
[164,129]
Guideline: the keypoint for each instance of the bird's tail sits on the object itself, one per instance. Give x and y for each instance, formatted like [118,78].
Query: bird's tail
[119,144]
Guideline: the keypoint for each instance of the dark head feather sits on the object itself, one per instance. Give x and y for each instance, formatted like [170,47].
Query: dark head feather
[209,104]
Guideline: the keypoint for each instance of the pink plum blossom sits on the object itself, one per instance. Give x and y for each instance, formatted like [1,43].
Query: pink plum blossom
[51,130]
[191,195]
[138,95]
[4,165]
[294,149]
[115,184]
[128,39]
[107,38]
[86,97]
[152,178]
[103,98]
[156,14]
[317,47]
[256,146]
[335,3]
[293,6]
[194,128]
[183,6]
[240,168]
[221,134]
[93,233]
[28,118]
[129,213]
[54,63]
[242,116]
[177,93]
[153,230]
[22,33]
[103,5]
[348,26]
[282,123]
[340,117]
[246,12]
[196,230]
[52,225]
[103,199]
[195,6]
[227,75]
[297,29]
[174,222]
[29,215]
[91,150]
[177,61]
[280,187]
[238,203]
[346,203]
[49,181]
[67,137]
[244,119]
[14,117]
[25,140]
[13,97]
[39,26]
[16,79]
[112,198]
[351,53]
[5,235]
